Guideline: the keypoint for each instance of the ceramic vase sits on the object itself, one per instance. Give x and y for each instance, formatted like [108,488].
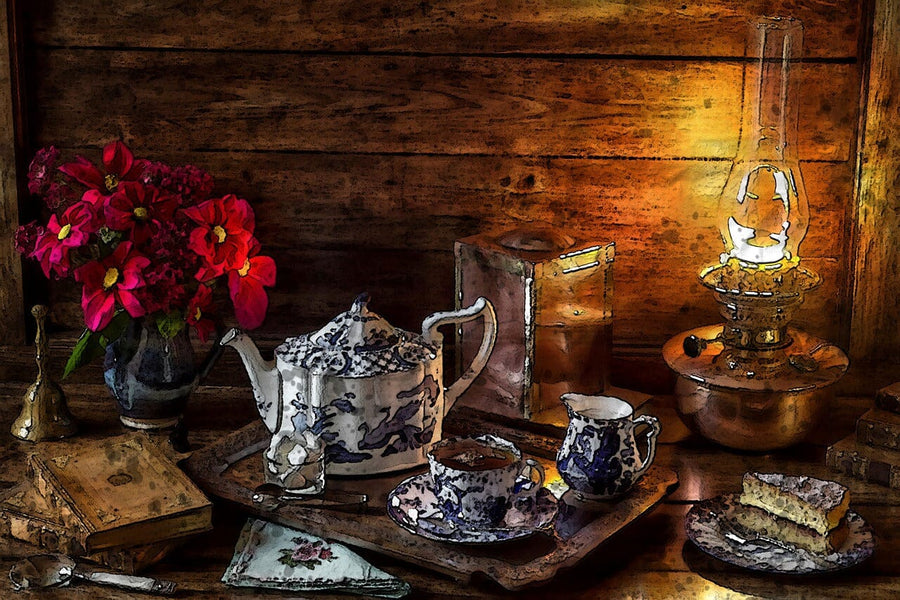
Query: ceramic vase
[150,376]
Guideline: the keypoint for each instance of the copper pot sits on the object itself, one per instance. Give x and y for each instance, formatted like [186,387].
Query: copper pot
[751,399]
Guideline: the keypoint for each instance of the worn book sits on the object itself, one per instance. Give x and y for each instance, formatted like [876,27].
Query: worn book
[876,465]
[880,428]
[28,516]
[123,491]
[888,398]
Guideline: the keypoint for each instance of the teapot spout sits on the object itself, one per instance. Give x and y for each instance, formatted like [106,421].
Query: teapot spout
[264,377]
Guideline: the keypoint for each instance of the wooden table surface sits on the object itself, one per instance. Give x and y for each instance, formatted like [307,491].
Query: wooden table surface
[649,559]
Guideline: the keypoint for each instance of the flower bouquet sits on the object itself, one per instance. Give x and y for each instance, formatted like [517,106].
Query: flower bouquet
[149,243]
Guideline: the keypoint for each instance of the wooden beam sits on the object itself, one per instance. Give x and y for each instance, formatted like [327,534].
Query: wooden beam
[875,323]
[12,323]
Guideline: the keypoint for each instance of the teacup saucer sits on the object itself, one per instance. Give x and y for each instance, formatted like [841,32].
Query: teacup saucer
[413,506]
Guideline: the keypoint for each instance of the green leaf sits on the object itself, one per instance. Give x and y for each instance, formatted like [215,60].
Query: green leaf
[170,324]
[115,329]
[86,349]
[92,344]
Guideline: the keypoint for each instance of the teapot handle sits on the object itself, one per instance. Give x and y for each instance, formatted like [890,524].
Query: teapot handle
[481,308]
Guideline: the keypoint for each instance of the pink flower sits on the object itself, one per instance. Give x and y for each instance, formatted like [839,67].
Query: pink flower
[109,281]
[118,162]
[222,238]
[304,552]
[58,196]
[163,291]
[138,210]
[198,311]
[246,287]
[191,184]
[27,236]
[40,171]
[64,233]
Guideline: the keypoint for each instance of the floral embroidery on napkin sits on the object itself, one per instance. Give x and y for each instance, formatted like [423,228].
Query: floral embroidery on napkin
[306,554]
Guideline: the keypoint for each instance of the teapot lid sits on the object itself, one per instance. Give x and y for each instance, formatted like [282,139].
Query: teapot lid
[356,343]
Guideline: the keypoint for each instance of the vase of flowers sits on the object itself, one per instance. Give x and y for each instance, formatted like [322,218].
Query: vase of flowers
[156,254]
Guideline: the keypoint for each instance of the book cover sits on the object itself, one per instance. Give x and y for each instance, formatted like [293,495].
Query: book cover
[29,517]
[123,491]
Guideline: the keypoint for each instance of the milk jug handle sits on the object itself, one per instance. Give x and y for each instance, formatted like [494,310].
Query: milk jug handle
[480,308]
[652,433]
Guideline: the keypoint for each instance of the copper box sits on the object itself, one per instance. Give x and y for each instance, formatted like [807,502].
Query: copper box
[553,297]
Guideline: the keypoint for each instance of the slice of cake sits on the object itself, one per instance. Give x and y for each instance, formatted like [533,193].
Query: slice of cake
[766,524]
[809,502]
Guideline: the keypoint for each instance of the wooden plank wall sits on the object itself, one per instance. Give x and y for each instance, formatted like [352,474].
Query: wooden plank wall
[876,310]
[12,327]
[371,135]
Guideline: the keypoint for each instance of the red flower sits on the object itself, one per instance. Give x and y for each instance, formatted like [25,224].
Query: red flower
[71,230]
[40,170]
[27,236]
[111,280]
[189,183]
[246,284]
[137,209]
[224,234]
[198,310]
[119,163]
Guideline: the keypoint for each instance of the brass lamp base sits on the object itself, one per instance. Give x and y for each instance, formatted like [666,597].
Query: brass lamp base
[752,399]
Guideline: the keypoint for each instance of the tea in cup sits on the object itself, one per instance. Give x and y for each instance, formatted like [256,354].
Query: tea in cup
[477,479]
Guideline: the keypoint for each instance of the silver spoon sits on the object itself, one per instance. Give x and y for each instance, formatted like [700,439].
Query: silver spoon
[272,496]
[58,570]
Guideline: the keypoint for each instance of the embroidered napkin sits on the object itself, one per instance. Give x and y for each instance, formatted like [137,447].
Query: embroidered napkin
[268,555]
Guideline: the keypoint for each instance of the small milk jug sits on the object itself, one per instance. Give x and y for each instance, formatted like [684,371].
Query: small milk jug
[599,458]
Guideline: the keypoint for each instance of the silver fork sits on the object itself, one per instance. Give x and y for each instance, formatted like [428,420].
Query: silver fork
[741,535]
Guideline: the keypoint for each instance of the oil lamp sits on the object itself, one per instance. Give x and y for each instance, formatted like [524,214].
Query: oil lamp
[754,382]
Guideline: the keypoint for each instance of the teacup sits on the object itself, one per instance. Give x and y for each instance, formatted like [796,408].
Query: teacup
[598,458]
[477,479]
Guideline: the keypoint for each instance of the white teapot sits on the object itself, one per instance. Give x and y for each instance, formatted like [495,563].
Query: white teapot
[373,393]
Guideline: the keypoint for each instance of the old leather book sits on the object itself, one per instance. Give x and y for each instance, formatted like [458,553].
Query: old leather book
[123,491]
[876,465]
[28,516]
[879,428]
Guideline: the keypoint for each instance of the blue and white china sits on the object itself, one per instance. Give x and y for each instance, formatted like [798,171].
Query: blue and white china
[710,524]
[382,398]
[474,496]
[599,457]
[414,507]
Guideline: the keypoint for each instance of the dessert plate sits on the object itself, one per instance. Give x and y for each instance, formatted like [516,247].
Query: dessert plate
[413,506]
[711,526]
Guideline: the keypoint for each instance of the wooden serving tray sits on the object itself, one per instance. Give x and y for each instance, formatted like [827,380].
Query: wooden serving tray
[232,469]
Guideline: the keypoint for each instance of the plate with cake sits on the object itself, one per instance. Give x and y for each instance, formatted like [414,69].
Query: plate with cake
[782,524]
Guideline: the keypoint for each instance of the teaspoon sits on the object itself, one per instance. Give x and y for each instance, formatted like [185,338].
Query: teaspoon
[58,570]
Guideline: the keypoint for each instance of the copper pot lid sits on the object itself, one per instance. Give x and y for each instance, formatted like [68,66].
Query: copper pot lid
[356,343]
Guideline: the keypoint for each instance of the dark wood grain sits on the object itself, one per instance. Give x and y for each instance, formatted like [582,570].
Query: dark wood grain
[445,105]
[12,304]
[644,27]
[335,224]
[876,276]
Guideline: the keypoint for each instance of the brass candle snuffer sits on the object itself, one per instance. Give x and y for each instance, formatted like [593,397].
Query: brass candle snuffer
[45,415]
